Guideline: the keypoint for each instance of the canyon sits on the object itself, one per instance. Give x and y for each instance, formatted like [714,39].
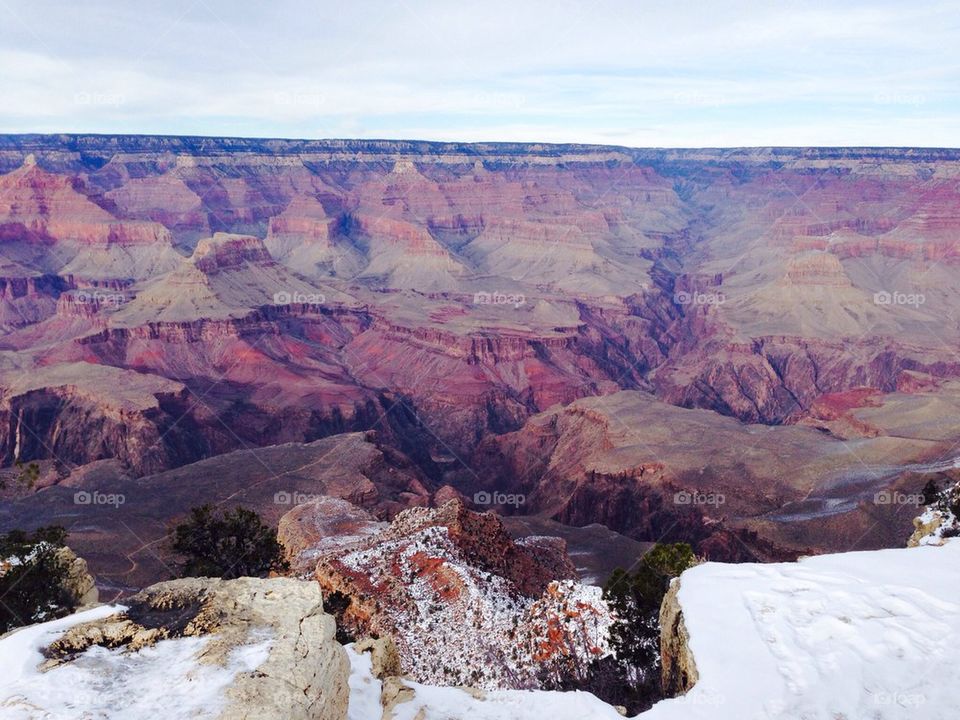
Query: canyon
[753,350]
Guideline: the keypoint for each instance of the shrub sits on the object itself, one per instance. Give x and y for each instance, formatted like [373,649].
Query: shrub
[33,578]
[27,476]
[337,603]
[931,493]
[632,676]
[227,545]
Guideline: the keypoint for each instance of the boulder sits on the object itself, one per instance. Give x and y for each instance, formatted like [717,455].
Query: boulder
[291,668]
[384,658]
[79,583]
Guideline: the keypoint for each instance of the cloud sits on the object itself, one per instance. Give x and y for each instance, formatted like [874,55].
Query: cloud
[726,72]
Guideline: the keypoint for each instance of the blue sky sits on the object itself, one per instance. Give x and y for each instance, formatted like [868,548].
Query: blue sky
[684,73]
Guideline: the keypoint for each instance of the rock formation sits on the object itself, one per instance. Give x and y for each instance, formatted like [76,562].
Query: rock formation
[78,583]
[464,604]
[301,672]
[678,668]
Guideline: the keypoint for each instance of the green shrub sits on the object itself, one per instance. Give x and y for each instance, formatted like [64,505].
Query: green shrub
[33,578]
[635,598]
[227,545]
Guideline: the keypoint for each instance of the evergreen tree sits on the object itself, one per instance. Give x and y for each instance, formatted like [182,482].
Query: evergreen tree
[227,545]
[931,493]
[635,598]
[33,577]
[631,676]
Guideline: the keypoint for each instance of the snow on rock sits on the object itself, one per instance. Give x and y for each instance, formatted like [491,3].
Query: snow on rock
[447,703]
[111,684]
[245,649]
[856,636]
[463,602]
[939,520]
[365,688]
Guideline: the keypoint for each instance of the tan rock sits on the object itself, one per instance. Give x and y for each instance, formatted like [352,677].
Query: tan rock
[678,670]
[394,692]
[923,528]
[383,654]
[305,674]
[79,582]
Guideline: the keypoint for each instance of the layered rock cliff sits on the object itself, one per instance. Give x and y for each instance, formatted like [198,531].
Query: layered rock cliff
[444,294]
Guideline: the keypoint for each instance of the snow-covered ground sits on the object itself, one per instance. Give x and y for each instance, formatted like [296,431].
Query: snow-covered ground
[448,703]
[165,680]
[856,636]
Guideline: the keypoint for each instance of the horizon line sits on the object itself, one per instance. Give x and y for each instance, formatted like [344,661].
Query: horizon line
[524,143]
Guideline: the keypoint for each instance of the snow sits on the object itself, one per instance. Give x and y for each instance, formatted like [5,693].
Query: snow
[105,684]
[856,636]
[448,703]
[863,635]
[940,521]
[481,632]
[364,687]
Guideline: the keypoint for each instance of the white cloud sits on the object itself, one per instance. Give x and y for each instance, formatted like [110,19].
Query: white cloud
[727,72]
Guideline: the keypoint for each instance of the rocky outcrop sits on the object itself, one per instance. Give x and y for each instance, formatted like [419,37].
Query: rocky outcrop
[626,460]
[320,525]
[678,669]
[78,582]
[224,251]
[463,603]
[939,521]
[384,658]
[81,412]
[303,673]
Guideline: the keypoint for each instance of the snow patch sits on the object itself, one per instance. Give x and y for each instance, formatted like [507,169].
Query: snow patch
[862,635]
[446,703]
[104,684]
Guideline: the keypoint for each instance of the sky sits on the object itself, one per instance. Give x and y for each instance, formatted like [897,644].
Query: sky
[673,73]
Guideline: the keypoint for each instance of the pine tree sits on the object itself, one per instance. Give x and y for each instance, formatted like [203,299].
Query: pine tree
[229,545]
[33,577]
